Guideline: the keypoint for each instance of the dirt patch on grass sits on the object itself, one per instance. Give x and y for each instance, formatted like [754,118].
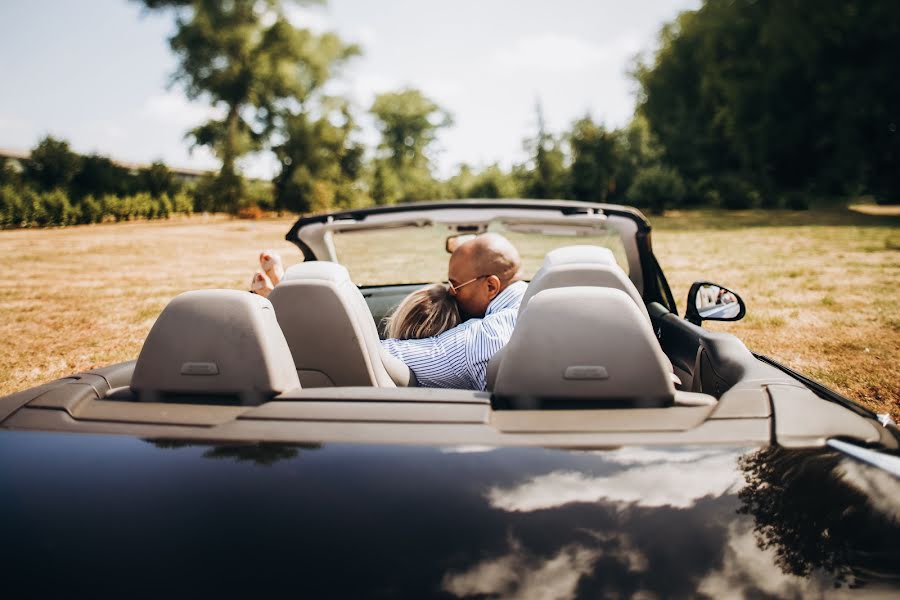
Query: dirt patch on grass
[821,288]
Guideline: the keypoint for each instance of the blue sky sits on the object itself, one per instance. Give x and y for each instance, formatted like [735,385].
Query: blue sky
[95,72]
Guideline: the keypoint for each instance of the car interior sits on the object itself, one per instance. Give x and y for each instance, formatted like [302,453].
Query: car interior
[583,368]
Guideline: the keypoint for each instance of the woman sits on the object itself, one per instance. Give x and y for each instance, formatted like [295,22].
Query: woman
[426,312]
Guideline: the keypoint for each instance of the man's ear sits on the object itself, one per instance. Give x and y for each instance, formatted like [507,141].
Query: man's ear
[493,283]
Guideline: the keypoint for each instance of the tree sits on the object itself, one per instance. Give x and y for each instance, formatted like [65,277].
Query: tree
[239,55]
[408,122]
[320,162]
[158,180]
[779,95]
[596,160]
[98,176]
[546,176]
[52,164]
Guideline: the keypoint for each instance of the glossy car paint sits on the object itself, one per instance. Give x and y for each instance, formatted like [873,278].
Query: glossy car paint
[102,515]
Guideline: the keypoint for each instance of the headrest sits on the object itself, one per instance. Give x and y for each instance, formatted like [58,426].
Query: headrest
[584,344]
[583,274]
[579,254]
[317,269]
[216,342]
[330,329]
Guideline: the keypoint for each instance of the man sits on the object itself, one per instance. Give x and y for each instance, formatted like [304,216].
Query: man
[485,277]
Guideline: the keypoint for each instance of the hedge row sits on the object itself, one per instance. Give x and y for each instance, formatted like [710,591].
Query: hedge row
[27,208]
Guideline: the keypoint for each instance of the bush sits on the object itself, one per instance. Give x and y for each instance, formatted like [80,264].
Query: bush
[251,212]
[182,203]
[165,206]
[735,193]
[90,210]
[11,207]
[111,208]
[657,188]
[57,208]
[795,200]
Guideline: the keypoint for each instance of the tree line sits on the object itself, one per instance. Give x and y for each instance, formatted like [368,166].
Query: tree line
[745,103]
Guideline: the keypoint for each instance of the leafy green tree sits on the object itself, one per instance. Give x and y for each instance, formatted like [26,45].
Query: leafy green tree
[657,188]
[320,162]
[52,164]
[158,180]
[240,55]
[408,122]
[596,160]
[547,175]
[9,175]
[490,182]
[791,96]
[99,175]
[638,149]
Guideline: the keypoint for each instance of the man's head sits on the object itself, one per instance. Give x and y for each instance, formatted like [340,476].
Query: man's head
[480,269]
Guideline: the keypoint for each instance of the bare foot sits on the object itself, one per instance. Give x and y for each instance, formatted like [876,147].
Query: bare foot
[262,285]
[272,266]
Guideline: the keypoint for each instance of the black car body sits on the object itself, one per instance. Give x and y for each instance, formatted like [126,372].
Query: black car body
[754,482]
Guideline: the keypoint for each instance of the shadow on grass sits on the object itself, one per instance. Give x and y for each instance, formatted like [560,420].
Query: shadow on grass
[718,219]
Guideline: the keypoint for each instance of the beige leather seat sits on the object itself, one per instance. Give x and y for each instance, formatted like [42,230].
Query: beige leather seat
[330,330]
[582,266]
[215,343]
[583,344]
[572,266]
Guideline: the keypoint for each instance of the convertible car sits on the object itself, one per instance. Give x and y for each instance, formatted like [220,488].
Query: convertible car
[261,446]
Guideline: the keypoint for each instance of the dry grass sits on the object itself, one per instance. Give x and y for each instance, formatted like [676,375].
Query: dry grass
[821,288]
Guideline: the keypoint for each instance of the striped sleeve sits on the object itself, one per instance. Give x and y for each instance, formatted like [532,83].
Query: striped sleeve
[439,361]
[488,336]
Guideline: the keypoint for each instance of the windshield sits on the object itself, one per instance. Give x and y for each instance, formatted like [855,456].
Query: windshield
[418,254]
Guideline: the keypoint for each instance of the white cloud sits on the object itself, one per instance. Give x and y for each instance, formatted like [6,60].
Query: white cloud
[365,35]
[10,124]
[173,108]
[315,19]
[558,53]
[678,485]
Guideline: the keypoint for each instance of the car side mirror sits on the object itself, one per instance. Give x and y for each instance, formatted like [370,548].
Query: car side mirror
[455,241]
[712,302]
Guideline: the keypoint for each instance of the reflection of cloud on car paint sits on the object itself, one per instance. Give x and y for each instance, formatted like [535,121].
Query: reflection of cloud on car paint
[466,449]
[882,489]
[678,485]
[515,575]
[521,574]
[750,571]
[645,456]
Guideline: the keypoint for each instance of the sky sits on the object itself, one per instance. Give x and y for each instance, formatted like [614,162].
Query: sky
[96,72]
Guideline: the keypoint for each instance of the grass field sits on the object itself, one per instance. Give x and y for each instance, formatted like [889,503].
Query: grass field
[822,288]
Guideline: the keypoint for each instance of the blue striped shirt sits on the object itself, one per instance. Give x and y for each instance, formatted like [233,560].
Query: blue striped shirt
[458,357]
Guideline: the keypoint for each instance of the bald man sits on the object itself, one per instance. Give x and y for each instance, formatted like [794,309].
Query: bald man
[485,277]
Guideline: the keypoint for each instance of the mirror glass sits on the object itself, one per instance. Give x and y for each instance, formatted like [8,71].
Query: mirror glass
[455,241]
[715,302]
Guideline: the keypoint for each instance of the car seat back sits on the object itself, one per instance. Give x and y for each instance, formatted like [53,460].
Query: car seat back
[582,266]
[330,330]
[215,343]
[584,344]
